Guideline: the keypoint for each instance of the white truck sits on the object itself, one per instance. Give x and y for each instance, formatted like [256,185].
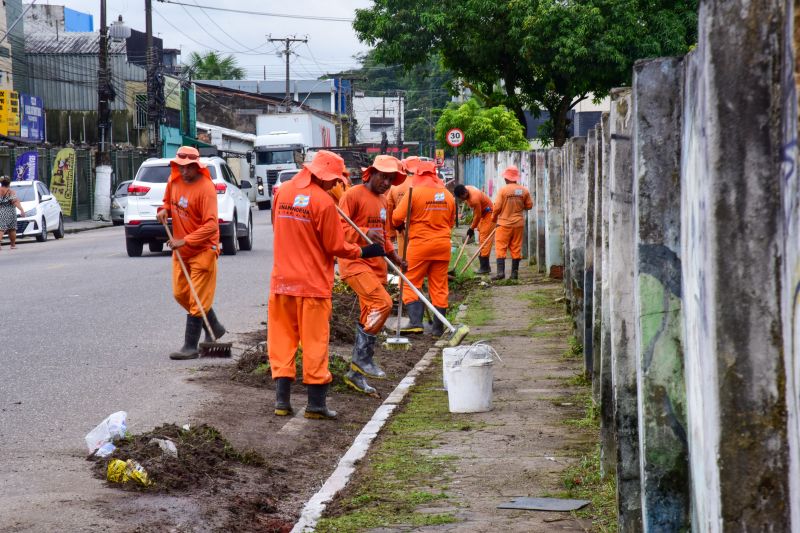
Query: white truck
[281,142]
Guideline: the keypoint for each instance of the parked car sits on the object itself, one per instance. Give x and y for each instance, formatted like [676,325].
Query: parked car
[146,193]
[118,202]
[42,212]
[283,177]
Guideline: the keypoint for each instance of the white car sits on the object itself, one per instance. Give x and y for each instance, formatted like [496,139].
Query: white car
[146,194]
[283,177]
[42,212]
[118,202]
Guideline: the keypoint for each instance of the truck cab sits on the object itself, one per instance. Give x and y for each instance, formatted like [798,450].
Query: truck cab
[275,151]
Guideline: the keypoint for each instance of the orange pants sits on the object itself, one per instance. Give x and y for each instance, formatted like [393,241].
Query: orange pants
[292,320]
[203,271]
[436,272]
[485,227]
[375,302]
[508,238]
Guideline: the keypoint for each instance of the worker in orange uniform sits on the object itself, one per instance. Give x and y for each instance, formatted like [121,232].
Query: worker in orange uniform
[394,197]
[481,206]
[510,203]
[191,201]
[365,205]
[433,215]
[308,234]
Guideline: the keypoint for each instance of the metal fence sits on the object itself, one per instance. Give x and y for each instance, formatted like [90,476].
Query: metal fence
[124,163]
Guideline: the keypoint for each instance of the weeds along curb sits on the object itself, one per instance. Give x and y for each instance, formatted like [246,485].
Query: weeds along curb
[312,511]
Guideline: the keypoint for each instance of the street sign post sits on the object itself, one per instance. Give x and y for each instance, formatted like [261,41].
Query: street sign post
[455,138]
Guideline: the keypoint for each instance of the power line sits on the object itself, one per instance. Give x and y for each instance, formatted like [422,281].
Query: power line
[231,37]
[261,13]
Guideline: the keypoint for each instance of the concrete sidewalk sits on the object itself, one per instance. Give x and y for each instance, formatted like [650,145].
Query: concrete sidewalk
[85,225]
[454,470]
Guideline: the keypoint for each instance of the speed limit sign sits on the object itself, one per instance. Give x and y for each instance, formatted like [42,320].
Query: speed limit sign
[455,137]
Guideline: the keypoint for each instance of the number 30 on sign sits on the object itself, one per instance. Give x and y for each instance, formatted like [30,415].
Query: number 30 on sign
[455,137]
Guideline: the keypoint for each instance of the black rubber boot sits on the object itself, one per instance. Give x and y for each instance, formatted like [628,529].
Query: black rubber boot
[438,325]
[515,268]
[316,408]
[363,353]
[194,327]
[358,382]
[484,266]
[501,270]
[218,329]
[415,311]
[283,395]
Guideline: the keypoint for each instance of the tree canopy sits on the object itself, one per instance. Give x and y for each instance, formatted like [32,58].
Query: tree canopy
[212,66]
[543,55]
[494,129]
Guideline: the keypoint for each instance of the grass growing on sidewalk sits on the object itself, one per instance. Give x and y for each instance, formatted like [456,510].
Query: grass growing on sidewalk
[478,310]
[400,475]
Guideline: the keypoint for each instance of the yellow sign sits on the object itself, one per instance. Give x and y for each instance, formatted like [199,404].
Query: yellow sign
[62,180]
[440,156]
[9,113]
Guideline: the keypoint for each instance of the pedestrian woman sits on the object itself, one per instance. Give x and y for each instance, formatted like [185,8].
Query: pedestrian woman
[8,211]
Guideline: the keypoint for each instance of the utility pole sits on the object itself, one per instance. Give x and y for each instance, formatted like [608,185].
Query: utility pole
[287,51]
[103,88]
[399,124]
[153,116]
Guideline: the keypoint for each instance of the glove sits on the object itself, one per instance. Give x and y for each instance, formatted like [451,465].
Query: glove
[372,250]
[470,233]
[401,228]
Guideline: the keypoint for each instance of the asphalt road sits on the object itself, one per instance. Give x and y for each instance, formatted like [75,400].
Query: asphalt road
[85,331]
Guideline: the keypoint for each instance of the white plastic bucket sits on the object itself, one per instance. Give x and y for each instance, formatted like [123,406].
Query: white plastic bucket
[469,380]
[449,355]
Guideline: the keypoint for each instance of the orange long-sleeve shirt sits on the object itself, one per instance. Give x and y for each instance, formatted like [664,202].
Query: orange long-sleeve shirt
[433,215]
[308,235]
[193,209]
[509,204]
[480,203]
[393,199]
[368,211]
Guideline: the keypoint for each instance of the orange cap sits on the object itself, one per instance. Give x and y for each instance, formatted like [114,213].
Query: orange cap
[327,166]
[410,164]
[388,164]
[511,174]
[425,167]
[186,156]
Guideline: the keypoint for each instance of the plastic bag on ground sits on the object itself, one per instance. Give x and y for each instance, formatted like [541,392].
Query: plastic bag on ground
[124,471]
[105,450]
[167,446]
[113,427]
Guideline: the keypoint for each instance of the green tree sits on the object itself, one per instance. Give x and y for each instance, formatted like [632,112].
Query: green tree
[493,129]
[544,55]
[212,66]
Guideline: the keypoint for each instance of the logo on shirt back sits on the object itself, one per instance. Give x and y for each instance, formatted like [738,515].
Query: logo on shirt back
[383,214]
[183,202]
[438,197]
[301,200]
[518,192]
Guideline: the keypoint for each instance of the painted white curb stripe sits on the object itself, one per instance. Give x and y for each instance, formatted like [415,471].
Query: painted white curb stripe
[313,509]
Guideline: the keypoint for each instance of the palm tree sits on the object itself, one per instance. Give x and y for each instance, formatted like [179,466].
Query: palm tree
[212,66]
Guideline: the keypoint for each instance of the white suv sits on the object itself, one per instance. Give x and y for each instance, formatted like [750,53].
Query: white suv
[146,194]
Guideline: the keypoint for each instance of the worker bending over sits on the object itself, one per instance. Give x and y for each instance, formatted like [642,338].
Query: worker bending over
[433,215]
[308,234]
[481,206]
[191,201]
[509,205]
[366,206]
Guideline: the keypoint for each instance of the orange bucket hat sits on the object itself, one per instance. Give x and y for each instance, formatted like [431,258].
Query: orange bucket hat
[186,156]
[327,166]
[511,174]
[410,164]
[388,164]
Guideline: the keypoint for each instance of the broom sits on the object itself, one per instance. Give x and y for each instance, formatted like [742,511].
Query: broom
[397,342]
[472,259]
[457,333]
[206,349]
[460,253]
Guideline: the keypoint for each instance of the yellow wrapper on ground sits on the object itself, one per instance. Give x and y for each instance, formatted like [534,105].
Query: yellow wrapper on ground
[122,472]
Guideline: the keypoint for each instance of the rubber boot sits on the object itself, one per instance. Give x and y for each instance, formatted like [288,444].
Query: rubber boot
[363,353]
[484,266]
[515,268]
[438,326]
[358,382]
[218,329]
[415,311]
[501,270]
[317,408]
[194,327]
[283,395]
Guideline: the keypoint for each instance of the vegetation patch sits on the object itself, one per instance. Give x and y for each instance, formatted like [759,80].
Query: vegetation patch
[584,481]
[401,474]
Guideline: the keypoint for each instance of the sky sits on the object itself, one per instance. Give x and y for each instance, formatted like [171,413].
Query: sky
[330,48]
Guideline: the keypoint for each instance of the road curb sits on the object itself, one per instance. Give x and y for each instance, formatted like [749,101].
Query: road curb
[313,509]
[81,230]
